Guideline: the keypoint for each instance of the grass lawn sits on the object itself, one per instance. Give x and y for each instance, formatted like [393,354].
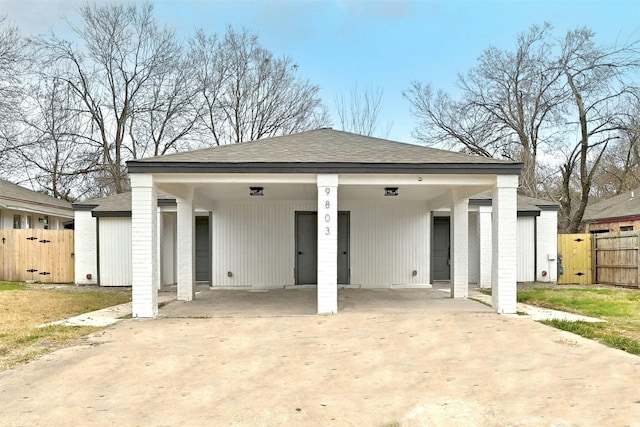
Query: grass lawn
[24,307]
[619,307]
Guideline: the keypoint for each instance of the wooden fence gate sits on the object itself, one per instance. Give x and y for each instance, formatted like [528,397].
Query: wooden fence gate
[618,258]
[575,250]
[41,255]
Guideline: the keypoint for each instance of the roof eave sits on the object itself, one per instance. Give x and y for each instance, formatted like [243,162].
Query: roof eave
[357,168]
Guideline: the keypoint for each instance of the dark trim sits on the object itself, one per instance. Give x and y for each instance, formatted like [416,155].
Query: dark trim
[111,214]
[167,202]
[549,207]
[83,207]
[480,202]
[613,219]
[138,166]
[528,213]
[98,251]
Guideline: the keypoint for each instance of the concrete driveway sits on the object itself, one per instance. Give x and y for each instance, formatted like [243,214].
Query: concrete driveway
[417,361]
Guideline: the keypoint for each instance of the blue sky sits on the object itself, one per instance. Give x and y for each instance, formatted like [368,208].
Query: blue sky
[375,44]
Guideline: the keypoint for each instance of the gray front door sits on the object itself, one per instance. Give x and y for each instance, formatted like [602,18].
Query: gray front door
[440,249]
[343,248]
[203,254]
[307,248]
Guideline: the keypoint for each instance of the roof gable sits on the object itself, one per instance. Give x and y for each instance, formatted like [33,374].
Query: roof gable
[321,150]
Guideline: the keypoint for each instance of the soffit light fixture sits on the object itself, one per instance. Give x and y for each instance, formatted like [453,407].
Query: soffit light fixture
[256,191]
[391,191]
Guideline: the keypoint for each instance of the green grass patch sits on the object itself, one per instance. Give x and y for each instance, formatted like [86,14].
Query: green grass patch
[589,302]
[620,308]
[600,332]
[11,286]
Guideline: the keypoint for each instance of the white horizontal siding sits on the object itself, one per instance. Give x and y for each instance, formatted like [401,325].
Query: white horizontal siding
[526,249]
[115,251]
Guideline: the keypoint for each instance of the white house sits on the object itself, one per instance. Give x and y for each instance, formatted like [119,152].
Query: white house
[322,207]
[24,208]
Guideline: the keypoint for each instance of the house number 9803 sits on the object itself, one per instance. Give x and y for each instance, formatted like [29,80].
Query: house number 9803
[327,217]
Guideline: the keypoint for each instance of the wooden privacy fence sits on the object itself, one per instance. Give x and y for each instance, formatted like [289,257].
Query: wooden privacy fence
[575,252]
[617,258]
[42,255]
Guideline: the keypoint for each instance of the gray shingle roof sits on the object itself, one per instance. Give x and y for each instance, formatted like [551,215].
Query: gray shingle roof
[623,205]
[318,147]
[525,203]
[111,205]
[13,196]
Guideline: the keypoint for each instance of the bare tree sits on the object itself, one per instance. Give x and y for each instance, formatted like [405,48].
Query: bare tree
[453,124]
[124,55]
[360,112]
[13,58]
[597,81]
[247,93]
[506,106]
[55,157]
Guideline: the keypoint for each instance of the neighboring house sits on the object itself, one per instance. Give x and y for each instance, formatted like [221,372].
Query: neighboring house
[619,213]
[322,207]
[24,208]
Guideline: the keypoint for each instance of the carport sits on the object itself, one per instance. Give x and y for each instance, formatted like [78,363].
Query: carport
[324,207]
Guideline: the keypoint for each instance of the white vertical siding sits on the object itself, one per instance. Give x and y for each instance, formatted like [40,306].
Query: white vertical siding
[389,240]
[526,249]
[255,241]
[474,248]
[115,251]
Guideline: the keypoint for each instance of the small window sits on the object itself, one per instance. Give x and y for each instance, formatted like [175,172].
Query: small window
[17,221]
[45,221]
[626,228]
[28,221]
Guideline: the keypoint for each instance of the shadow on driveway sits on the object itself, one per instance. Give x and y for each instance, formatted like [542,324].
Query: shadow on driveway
[303,301]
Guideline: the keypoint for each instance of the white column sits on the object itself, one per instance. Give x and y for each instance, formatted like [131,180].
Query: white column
[460,248]
[484,240]
[144,268]
[504,264]
[185,246]
[327,244]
